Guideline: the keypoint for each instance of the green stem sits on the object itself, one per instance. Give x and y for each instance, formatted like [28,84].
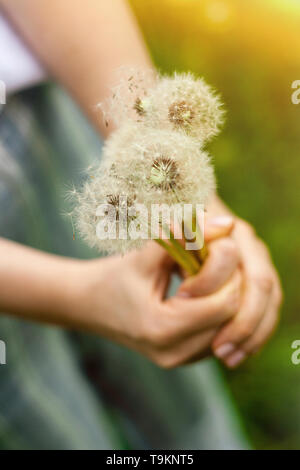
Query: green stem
[188,256]
[200,253]
[176,256]
[203,253]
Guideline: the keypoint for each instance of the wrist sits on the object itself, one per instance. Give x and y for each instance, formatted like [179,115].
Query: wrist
[86,296]
[70,295]
[57,292]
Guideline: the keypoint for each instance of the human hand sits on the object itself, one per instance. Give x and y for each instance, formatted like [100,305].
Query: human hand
[124,300]
[258,315]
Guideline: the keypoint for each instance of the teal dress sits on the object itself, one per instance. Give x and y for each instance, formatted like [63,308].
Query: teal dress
[65,390]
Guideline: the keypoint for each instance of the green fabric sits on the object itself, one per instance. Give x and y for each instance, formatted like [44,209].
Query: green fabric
[73,391]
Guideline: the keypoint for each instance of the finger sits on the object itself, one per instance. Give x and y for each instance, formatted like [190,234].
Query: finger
[268,324]
[155,255]
[191,350]
[254,304]
[194,314]
[205,354]
[218,227]
[261,335]
[264,331]
[222,261]
[260,280]
[201,353]
[214,228]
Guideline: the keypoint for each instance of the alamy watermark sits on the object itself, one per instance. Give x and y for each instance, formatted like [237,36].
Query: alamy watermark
[122,219]
[2,353]
[295,357]
[296,94]
[2,92]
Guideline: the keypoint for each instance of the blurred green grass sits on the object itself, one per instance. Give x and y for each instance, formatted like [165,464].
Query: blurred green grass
[248,50]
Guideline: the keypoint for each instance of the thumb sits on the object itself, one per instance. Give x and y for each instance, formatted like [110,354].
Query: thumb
[217,227]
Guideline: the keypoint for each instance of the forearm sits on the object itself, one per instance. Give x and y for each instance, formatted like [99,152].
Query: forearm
[83,44]
[36,285]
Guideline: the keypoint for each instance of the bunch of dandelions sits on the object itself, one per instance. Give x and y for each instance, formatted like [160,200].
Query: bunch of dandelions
[119,207]
[154,159]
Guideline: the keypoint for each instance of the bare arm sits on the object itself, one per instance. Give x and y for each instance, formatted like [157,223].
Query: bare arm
[83,44]
[36,285]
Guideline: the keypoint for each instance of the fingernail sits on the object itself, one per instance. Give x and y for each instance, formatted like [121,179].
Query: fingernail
[221,221]
[183,294]
[235,359]
[224,350]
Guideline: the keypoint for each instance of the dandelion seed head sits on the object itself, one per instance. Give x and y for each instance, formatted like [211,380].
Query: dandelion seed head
[108,188]
[185,104]
[160,166]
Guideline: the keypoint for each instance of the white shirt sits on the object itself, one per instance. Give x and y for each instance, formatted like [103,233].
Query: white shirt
[19,68]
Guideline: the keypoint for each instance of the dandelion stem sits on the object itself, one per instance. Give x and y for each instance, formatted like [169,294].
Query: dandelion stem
[203,253]
[187,255]
[182,261]
[200,253]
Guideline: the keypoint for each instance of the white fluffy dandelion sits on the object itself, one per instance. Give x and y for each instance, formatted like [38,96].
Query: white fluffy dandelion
[186,104]
[107,214]
[162,166]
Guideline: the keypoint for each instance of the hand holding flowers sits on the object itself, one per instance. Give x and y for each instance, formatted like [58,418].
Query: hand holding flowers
[156,157]
[124,300]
